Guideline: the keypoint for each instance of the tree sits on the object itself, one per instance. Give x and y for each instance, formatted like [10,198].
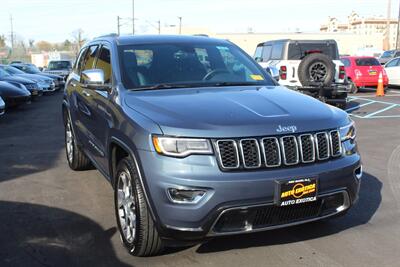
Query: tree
[2,41]
[44,46]
[78,40]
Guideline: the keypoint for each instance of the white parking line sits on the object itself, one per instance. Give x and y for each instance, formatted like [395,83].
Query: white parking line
[379,111]
[359,106]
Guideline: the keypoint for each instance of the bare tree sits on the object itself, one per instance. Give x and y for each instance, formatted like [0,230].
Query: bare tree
[78,39]
[2,41]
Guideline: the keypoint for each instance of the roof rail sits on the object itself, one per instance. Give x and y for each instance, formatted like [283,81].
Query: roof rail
[107,35]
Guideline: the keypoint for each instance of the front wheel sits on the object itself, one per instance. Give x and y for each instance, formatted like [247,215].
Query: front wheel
[136,226]
[77,160]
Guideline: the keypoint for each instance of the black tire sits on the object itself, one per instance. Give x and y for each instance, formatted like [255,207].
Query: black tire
[77,160]
[353,88]
[316,69]
[341,105]
[146,241]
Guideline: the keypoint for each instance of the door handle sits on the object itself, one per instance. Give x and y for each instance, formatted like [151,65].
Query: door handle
[86,93]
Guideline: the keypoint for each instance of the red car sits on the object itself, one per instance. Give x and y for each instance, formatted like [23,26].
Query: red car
[364,72]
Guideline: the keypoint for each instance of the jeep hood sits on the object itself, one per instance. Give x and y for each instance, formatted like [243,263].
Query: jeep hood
[234,111]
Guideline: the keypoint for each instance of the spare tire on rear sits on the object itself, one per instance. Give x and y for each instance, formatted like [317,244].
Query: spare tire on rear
[316,69]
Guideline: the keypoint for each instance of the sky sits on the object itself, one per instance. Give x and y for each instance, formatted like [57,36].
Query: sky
[56,20]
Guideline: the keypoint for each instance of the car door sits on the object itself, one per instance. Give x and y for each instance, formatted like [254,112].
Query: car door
[101,112]
[392,69]
[82,98]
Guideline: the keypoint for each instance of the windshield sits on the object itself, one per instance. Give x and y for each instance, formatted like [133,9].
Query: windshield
[59,65]
[367,62]
[12,70]
[188,65]
[3,73]
[387,54]
[30,69]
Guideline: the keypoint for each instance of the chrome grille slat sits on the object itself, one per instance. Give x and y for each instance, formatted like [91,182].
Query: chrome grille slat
[307,148]
[335,143]
[228,154]
[273,152]
[250,152]
[322,145]
[290,150]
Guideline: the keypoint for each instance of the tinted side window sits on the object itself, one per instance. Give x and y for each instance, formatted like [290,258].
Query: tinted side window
[392,63]
[266,53]
[89,58]
[346,62]
[397,54]
[367,62]
[104,63]
[277,51]
[79,61]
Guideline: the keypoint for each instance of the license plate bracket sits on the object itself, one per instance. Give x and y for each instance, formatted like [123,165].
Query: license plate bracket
[296,191]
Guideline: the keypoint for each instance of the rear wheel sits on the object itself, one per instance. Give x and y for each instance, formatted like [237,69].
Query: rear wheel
[77,160]
[138,232]
[353,87]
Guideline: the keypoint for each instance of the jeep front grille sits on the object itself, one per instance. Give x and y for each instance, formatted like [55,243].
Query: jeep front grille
[270,152]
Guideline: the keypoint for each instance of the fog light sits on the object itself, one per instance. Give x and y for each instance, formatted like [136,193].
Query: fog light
[185,195]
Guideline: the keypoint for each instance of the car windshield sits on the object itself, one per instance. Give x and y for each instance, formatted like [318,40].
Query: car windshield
[12,70]
[3,73]
[59,65]
[367,62]
[162,66]
[387,54]
[31,69]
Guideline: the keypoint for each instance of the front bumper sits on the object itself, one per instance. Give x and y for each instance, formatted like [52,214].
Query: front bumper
[231,190]
[17,100]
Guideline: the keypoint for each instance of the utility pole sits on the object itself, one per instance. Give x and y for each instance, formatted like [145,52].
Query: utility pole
[133,17]
[180,25]
[398,28]
[386,43]
[12,33]
[159,26]
[118,25]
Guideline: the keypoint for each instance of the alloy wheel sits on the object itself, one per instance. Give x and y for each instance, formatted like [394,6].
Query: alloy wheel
[69,140]
[126,207]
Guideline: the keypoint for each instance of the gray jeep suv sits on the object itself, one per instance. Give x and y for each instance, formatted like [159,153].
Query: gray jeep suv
[198,141]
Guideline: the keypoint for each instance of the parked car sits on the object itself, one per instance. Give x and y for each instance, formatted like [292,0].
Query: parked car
[197,150]
[14,94]
[2,106]
[309,66]
[47,84]
[59,67]
[32,86]
[392,69]
[363,72]
[32,69]
[388,55]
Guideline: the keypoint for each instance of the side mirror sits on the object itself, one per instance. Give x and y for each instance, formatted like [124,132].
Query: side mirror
[259,59]
[94,79]
[41,69]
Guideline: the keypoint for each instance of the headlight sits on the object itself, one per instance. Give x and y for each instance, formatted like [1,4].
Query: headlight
[348,132]
[181,147]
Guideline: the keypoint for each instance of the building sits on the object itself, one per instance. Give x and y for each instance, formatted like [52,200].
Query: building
[364,26]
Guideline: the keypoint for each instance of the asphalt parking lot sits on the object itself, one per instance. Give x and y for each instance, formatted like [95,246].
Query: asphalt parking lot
[52,216]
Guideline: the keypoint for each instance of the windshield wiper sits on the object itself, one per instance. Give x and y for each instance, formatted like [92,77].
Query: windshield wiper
[171,86]
[235,83]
